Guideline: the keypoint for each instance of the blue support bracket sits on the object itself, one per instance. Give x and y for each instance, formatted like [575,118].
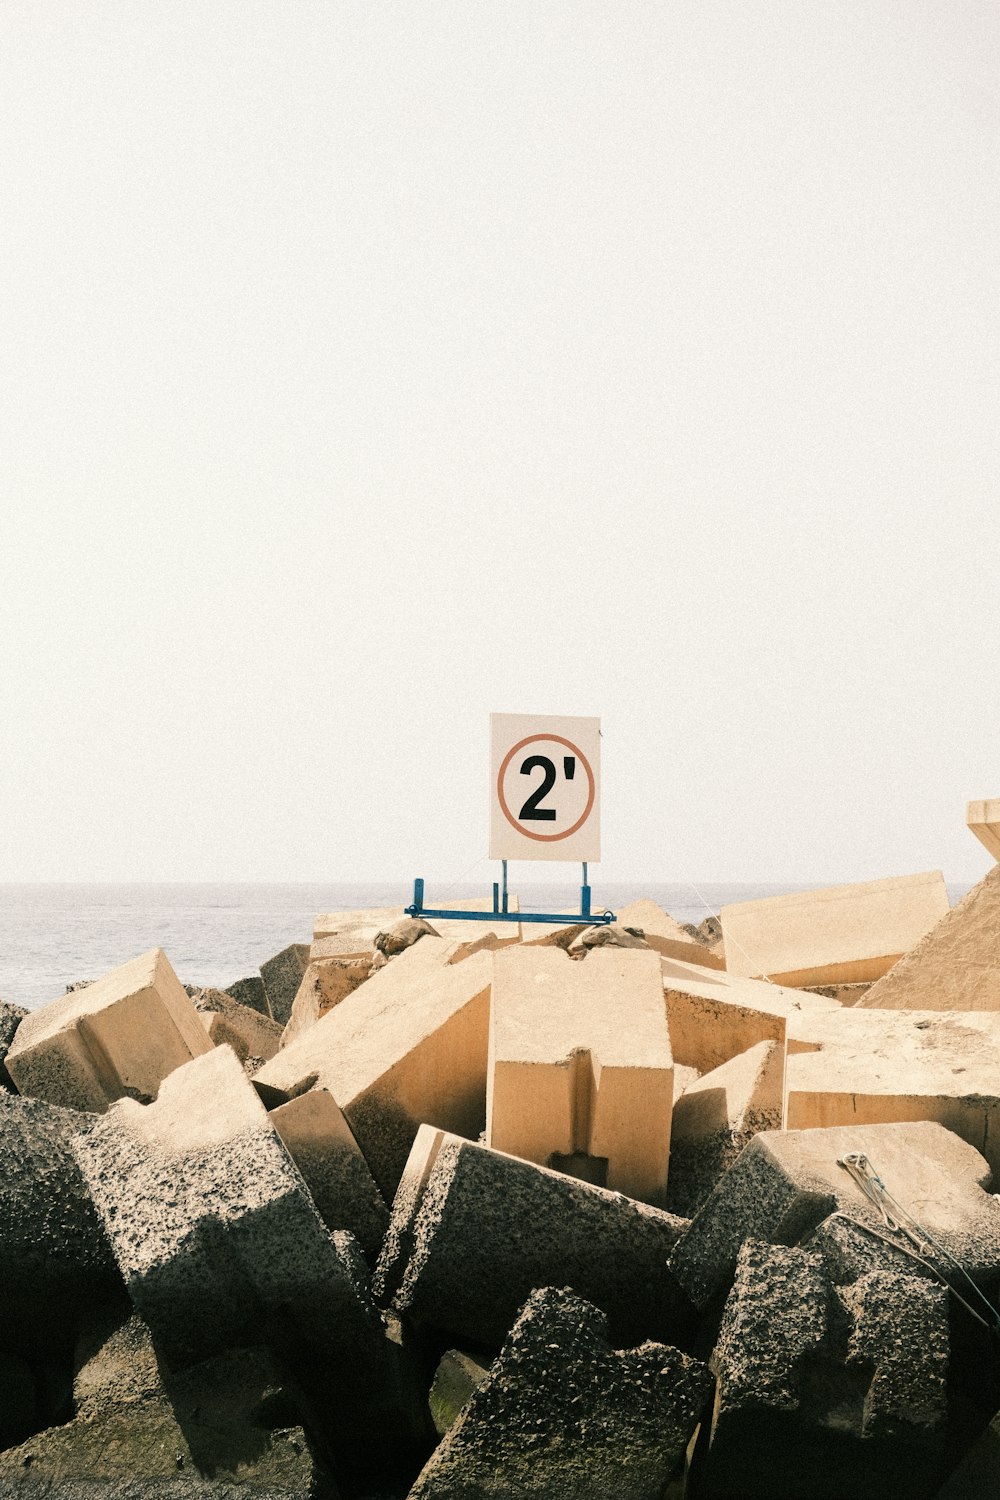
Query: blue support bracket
[500,912]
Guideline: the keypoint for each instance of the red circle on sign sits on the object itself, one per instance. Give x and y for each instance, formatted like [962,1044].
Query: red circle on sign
[556,739]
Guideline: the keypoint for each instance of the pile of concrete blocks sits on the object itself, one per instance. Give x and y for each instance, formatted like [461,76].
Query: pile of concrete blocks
[458,1209]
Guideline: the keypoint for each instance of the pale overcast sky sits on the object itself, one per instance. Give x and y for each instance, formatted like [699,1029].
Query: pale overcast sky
[367,368]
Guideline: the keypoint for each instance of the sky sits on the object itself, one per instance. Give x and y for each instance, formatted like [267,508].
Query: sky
[368,368]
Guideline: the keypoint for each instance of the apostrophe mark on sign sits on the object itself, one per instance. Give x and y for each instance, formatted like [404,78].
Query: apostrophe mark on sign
[569,767]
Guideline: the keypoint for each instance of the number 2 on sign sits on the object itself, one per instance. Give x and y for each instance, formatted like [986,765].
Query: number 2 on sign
[531,809]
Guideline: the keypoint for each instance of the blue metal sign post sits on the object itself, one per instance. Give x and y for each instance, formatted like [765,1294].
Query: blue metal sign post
[500,912]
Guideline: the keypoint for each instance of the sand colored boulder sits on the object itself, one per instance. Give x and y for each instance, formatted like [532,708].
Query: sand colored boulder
[409,1046]
[120,1036]
[956,966]
[324,985]
[318,1138]
[717,1116]
[845,934]
[473,1231]
[861,1067]
[561,1413]
[847,1387]
[667,936]
[983,819]
[580,1063]
[786,1184]
[214,1229]
[715,1016]
[339,934]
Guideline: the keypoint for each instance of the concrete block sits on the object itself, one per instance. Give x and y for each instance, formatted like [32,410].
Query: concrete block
[845,934]
[861,1067]
[561,1413]
[54,1257]
[319,1141]
[826,1393]
[229,1425]
[250,992]
[324,985]
[717,1116]
[473,1231]
[456,1380]
[282,976]
[667,936]
[409,1046]
[251,1035]
[339,934]
[214,1230]
[11,1017]
[580,1062]
[785,1184]
[983,819]
[121,1036]
[956,966]
[715,1017]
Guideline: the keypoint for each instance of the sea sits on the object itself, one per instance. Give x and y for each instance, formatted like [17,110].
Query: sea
[54,935]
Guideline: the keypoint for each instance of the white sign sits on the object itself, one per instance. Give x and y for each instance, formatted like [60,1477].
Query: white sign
[545,787]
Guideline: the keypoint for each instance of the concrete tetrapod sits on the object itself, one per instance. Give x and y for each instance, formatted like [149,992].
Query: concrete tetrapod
[214,1229]
[563,1416]
[580,1063]
[473,1231]
[119,1037]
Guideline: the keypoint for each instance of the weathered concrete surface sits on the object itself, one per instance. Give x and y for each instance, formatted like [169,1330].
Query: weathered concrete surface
[563,1414]
[983,819]
[842,935]
[11,1017]
[822,1392]
[319,1141]
[580,1061]
[717,1116]
[410,1046]
[324,985]
[120,1036]
[229,1023]
[956,966]
[715,1017]
[214,1230]
[874,1066]
[250,992]
[473,1231]
[230,1421]
[457,1378]
[667,936]
[53,1253]
[282,976]
[786,1184]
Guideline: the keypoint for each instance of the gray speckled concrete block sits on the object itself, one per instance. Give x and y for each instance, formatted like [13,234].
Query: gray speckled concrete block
[214,1230]
[563,1416]
[474,1231]
[11,1017]
[282,976]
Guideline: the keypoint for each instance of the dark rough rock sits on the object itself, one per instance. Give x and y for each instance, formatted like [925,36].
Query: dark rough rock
[250,992]
[403,935]
[473,1232]
[608,935]
[562,1415]
[11,1017]
[282,976]
[823,1393]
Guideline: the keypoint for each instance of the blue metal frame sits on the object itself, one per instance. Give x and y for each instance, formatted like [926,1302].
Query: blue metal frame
[501,914]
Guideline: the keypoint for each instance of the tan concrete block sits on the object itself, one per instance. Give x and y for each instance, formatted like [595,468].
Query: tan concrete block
[717,1116]
[846,934]
[120,1036]
[983,819]
[875,1067]
[324,984]
[409,1046]
[716,1016]
[319,1140]
[580,1062]
[338,934]
[956,966]
[667,936]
